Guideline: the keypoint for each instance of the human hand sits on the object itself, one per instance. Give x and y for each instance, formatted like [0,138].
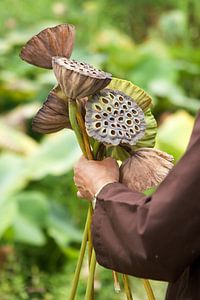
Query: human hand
[91,175]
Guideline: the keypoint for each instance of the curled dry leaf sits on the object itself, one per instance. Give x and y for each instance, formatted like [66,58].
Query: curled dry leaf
[54,41]
[53,116]
[77,79]
[112,117]
[145,169]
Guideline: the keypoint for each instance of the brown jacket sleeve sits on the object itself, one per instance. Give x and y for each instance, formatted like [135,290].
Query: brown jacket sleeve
[153,237]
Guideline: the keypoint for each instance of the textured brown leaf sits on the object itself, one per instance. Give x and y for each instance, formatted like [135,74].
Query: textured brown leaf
[54,41]
[145,169]
[53,116]
[78,79]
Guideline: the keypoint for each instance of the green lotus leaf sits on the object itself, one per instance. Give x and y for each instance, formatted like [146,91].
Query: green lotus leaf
[149,138]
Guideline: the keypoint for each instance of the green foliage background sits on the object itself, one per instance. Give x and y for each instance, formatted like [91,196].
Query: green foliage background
[153,43]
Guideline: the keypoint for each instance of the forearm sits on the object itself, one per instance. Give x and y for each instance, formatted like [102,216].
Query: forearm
[154,237]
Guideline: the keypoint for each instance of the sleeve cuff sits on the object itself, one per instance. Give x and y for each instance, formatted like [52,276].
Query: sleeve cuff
[94,200]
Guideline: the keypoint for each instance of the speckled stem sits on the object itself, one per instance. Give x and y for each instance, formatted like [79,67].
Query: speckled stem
[127,287]
[148,289]
[80,260]
[116,282]
[89,290]
[75,126]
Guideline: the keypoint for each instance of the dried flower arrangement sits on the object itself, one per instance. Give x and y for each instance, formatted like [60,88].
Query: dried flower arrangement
[110,117]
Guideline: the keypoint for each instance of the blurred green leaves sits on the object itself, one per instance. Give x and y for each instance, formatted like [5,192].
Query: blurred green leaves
[28,214]
[13,175]
[174,133]
[154,44]
[56,155]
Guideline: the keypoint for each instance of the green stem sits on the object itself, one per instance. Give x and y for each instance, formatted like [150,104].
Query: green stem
[96,146]
[90,247]
[127,287]
[148,289]
[80,259]
[75,126]
[89,290]
[119,153]
[116,282]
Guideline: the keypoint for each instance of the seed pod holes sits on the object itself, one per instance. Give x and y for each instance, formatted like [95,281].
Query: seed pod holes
[119,119]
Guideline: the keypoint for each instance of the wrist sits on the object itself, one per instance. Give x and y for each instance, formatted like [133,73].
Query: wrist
[96,194]
[100,184]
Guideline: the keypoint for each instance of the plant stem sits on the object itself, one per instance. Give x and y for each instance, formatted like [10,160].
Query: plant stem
[90,247]
[96,148]
[116,282]
[127,287]
[89,155]
[75,126]
[80,260]
[81,124]
[89,290]
[148,289]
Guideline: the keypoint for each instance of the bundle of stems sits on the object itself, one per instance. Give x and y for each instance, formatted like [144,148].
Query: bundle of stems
[78,125]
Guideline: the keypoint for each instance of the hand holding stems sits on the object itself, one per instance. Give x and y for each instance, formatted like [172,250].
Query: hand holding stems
[88,185]
[90,176]
[78,126]
[76,81]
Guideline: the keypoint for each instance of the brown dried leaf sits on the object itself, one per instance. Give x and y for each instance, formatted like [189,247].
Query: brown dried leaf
[53,116]
[54,41]
[145,169]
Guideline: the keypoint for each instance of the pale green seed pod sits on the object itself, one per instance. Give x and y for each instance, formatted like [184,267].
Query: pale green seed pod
[144,101]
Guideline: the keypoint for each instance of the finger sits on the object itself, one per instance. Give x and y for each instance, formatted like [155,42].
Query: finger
[79,195]
[82,159]
[110,159]
[80,164]
[84,195]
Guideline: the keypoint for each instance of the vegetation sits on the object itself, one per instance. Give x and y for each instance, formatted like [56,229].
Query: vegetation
[151,43]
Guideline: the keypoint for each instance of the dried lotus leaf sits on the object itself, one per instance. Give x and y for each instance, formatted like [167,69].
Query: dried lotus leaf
[145,169]
[54,41]
[78,79]
[114,118]
[53,116]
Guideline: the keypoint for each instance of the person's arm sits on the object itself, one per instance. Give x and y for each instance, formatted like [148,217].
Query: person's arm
[152,237]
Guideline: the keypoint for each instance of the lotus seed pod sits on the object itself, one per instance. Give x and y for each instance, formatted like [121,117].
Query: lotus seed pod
[55,41]
[144,101]
[77,79]
[138,94]
[145,169]
[114,118]
[53,116]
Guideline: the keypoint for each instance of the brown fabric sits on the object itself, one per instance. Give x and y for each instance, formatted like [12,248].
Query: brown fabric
[155,237]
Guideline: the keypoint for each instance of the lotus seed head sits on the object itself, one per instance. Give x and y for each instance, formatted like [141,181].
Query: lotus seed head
[113,117]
